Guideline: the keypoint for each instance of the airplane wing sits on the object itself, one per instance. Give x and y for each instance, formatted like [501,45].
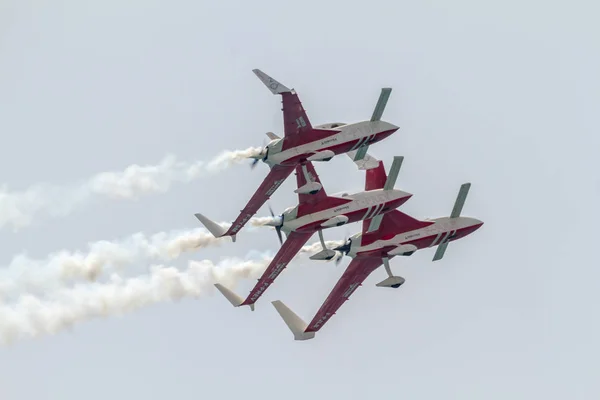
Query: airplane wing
[356,273]
[277,175]
[295,120]
[287,251]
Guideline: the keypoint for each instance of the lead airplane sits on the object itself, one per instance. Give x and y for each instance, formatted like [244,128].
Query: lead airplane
[303,142]
[316,212]
[382,238]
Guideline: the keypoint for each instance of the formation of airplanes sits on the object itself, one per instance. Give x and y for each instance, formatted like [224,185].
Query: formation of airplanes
[386,231]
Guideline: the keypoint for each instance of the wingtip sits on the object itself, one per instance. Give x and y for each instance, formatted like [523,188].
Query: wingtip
[293,321]
[215,229]
[272,84]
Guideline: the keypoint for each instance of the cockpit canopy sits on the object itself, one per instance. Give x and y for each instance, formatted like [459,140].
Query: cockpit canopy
[331,125]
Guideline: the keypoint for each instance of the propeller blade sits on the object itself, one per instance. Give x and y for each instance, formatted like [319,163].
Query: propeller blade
[338,260]
[271,210]
[278,229]
[253,163]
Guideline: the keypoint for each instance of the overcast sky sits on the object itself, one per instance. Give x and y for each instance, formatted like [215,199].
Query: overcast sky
[503,95]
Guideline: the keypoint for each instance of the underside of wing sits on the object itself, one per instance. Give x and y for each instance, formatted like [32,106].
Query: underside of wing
[287,251]
[277,175]
[356,273]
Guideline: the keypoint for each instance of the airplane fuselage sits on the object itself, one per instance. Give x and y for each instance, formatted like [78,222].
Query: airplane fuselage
[348,137]
[361,206]
[442,230]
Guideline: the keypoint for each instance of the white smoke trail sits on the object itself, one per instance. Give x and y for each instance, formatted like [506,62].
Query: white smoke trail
[32,316]
[24,274]
[20,208]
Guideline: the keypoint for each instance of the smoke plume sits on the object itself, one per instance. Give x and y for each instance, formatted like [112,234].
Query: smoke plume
[24,274]
[63,308]
[19,208]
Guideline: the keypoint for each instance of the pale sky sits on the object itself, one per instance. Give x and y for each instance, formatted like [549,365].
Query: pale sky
[502,95]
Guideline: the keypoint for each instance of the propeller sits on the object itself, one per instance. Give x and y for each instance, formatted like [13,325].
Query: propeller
[344,249]
[265,150]
[261,156]
[277,223]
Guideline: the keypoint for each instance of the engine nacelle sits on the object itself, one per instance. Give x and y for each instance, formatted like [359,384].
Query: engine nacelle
[324,155]
[335,221]
[309,188]
[403,250]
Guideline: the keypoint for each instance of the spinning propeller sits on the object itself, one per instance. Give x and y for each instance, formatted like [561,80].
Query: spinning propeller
[343,249]
[264,152]
[277,223]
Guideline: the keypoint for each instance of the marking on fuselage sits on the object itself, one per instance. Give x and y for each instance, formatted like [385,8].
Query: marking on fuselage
[330,140]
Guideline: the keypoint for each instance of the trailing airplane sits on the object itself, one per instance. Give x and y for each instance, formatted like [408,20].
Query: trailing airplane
[383,237]
[316,212]
[303,142]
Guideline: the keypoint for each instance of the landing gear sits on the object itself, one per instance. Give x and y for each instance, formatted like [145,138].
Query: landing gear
[391,281]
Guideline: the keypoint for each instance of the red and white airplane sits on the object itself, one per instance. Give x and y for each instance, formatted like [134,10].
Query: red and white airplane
[316,212]
[303,142]
[383,237]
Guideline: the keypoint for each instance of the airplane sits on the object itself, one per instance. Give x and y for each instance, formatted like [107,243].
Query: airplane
[316,212]
[304,142]
[383,237]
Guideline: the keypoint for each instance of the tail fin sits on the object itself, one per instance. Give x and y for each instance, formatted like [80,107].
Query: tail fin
[375,177]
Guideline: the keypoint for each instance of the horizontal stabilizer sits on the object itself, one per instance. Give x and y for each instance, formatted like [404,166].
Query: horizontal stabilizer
[393,175]
[460,200]
[381,103]
[214,228]
[294,322]
[274,86]
[375,223]
[439,253]
[361,152]
[233,298]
